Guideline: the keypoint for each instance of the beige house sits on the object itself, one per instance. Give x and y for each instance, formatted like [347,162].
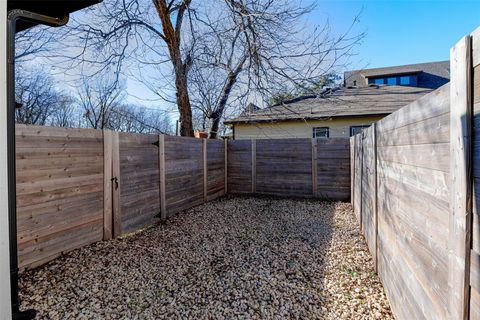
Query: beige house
[341,113]
[367,96]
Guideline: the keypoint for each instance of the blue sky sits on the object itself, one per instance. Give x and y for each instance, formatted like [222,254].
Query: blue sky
[402,32]
[398,32]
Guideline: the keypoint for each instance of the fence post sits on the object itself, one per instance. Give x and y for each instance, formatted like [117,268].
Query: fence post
[161,164]
[117,213]
[226,166]
[352,172]
[362,187]
[375,193]
[254,165]
[314,168]
[460,179]
[107,185]
[205,170]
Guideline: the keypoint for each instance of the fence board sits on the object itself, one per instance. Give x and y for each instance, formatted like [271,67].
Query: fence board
[358,178]
[284,167]
[474,303]
[369,192]
[183,173]
[239,165]
[59,191]
[460,171]
[215,169]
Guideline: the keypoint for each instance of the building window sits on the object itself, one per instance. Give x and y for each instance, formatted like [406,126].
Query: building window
[357,129]
[321,132]
[379,81]
[405,81]
[392,81]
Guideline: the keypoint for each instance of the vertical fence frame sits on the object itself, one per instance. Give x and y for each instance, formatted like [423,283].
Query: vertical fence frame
[254,165]
[205,169]
[225,144]
[116,198]
[461,180]
[161,171]
[314,168]
[107,185]
[375,204]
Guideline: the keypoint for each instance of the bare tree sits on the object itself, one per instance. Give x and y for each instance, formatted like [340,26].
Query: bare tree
[32,43]
[149,32]
[258,47]
[250,48]
[97,98]
[139,119]
[66,113]
[37,96]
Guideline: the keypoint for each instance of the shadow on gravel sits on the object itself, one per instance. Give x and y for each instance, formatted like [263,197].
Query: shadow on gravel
[236,257]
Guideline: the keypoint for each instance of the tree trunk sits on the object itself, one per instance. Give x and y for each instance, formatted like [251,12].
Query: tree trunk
[171,36]
[184,108]
[216,116]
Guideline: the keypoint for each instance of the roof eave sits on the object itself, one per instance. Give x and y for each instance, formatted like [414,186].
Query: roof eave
[51,8]
[247,121]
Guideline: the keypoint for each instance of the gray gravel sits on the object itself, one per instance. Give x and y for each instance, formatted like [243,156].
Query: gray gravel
[237,257]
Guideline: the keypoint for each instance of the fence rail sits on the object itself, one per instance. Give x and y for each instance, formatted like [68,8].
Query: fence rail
[412,195]
[318,168]
[79,186]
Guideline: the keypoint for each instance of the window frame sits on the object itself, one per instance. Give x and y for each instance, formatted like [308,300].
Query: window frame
[361,126]
[322,137]
[394,79]
[409,81]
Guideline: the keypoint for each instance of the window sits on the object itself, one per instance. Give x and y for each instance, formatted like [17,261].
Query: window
[355,83]
[379,81]
[392,81]
[357,129]
[321,132]
[405,81]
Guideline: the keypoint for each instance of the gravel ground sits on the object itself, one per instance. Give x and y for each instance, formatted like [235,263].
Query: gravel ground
[237,257]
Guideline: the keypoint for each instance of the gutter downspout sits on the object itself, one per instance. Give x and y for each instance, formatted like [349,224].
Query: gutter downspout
[13,17]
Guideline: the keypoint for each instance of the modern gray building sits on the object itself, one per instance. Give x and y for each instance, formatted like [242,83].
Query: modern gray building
[431,75]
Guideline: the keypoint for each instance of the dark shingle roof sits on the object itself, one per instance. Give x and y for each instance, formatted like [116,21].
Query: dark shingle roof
[431,75]
[345,102]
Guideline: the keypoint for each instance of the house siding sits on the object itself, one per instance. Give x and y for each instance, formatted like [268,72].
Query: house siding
[338,128]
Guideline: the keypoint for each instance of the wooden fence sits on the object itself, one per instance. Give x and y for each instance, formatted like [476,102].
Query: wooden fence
[412,195]
[79,186]
[318,168]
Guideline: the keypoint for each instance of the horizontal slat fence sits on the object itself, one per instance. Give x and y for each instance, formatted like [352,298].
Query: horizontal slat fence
[239,164]
[332,169]
[405,218]
[215,169]
[417,216]
[79,186]
[183,173]
[139,181]
[284,167]
[59,191]
[318,168]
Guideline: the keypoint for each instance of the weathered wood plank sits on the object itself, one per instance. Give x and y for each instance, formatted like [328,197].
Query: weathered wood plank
[107,185]
[254,166]
[161,155]
[460,172]
[116,174]
[314,168]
